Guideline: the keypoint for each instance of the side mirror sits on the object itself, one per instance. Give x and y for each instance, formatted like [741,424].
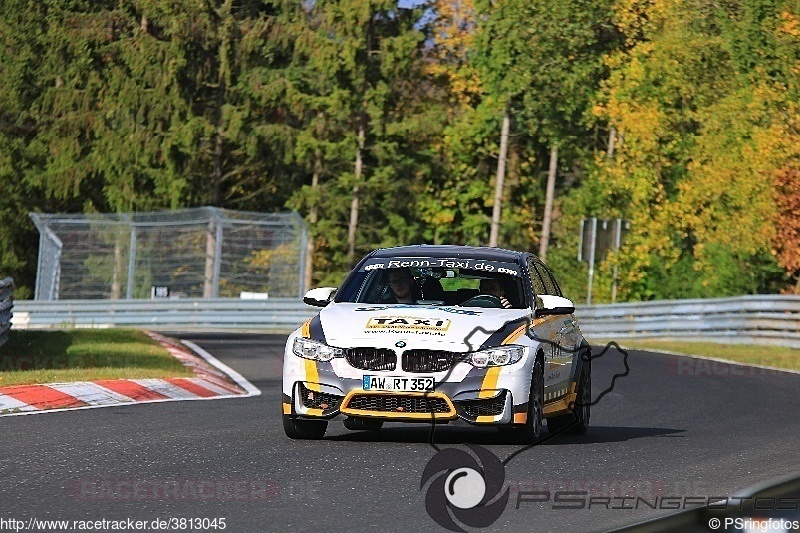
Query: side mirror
[319,297]
[553,305]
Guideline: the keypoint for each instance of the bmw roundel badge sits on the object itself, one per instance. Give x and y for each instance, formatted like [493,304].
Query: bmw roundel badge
[400,344]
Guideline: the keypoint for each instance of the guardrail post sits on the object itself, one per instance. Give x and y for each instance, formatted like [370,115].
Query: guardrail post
[213,254]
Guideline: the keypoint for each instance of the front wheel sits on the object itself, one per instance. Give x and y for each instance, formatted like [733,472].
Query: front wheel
[296,428]
[532,429]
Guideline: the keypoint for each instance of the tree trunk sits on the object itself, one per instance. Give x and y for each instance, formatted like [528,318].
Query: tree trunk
[225,38]
[216,180]
[612,140]
[351,230]
[313,214]
[501,175]
[548,203]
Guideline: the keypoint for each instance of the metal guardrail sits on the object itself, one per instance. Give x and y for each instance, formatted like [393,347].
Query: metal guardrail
[6,304]
[753,319]
[282,314]
[762,319]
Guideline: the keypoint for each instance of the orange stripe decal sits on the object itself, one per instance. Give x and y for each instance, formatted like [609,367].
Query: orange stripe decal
[450,414]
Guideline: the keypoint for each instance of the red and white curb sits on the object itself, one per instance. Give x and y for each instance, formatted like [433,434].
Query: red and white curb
[212,380]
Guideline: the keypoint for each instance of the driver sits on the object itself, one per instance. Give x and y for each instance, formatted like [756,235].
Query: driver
[400,282]
[492,286]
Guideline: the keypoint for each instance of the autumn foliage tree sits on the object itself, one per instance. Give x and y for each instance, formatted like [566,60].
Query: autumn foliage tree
[699,99]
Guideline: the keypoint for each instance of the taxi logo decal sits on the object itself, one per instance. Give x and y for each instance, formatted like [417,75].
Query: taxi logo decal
[407,323]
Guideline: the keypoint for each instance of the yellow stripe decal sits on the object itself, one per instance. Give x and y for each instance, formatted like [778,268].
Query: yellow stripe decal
[305,332]
[314,412]
[312,376]
[516,334]
[485,419]
[520,418]
[560,405]
[489,385]
[287,408]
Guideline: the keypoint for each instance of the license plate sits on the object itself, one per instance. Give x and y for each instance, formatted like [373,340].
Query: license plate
[396,383]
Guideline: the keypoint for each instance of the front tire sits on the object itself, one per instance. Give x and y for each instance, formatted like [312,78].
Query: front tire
[296,428]
[532,429]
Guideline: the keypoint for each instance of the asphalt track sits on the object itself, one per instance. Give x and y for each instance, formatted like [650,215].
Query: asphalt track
[673,428]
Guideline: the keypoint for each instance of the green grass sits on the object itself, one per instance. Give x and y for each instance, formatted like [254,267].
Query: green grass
[84,355]
[774,356]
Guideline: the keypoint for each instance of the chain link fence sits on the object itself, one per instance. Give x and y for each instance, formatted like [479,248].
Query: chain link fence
[203,252]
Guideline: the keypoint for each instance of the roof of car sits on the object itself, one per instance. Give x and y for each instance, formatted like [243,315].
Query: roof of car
[449,250]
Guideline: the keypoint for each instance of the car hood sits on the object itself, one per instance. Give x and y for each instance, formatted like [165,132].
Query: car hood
[459,329]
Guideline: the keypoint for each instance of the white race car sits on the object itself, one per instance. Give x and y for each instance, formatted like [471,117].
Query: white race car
[432,334]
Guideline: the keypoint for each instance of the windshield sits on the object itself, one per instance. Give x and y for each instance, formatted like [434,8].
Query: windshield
[436,281]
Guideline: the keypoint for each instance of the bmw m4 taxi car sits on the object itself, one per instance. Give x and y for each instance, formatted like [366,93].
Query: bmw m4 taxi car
[437,334]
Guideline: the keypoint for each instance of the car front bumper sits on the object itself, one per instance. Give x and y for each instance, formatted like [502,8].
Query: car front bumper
[325,390]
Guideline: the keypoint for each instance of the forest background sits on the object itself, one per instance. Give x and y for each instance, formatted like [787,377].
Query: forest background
[381,124]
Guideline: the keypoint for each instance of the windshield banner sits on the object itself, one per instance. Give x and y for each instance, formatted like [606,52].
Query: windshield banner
[496,267]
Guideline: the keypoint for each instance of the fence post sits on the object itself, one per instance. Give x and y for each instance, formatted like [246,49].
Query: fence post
[131,263]
[6,305]
[217,256]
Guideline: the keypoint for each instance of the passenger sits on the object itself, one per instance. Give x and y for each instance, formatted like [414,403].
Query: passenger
[492,286]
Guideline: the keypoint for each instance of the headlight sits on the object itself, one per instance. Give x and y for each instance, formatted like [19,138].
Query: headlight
[318,351]
[498,356]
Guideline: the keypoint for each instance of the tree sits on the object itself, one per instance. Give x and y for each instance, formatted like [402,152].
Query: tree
[353,96]
[695,96]
[544,59]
